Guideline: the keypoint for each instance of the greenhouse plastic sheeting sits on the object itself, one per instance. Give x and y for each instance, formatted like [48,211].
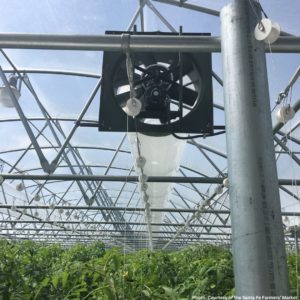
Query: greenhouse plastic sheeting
[163,155]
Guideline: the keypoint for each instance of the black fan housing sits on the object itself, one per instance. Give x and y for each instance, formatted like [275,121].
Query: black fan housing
[175,91]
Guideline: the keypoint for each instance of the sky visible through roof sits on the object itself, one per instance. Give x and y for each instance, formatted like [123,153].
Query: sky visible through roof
[65,96]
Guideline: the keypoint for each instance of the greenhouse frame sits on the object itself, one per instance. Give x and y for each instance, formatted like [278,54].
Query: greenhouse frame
[154,124]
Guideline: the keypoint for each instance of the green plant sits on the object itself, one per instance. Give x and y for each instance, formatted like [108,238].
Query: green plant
[30,270]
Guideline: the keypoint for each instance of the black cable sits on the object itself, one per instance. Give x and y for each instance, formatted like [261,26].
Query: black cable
[262,10]
[197,136]
[203,135]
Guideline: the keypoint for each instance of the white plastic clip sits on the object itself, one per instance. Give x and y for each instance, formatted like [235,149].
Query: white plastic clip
[267,31]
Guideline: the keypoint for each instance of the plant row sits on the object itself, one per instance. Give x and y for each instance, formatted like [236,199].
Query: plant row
[30,270]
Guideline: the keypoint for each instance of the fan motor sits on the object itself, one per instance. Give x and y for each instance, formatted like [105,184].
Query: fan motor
[156,81]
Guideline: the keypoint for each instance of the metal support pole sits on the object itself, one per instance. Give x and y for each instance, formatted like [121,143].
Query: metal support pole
[258,242]
[138,13]
[44,162]
[130,178]
[55,161]
[138,43]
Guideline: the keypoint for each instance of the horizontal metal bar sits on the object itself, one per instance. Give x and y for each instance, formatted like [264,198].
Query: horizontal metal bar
[135,239]
[137,43]
[158,240]
[288,182]
[136,234]
[109,42]
[54,72]
[109,223]
[131,209]
[115,208]
[194,7]
[66,177]
[88,124]
[43,120]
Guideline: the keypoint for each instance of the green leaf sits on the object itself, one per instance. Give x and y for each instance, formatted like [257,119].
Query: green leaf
[146,293]
[64,278]
[55,280]
[43,284]
[171,293]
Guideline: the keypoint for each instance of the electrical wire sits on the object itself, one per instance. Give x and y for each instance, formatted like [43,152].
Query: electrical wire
[255,11]
[204,135]
[262,10]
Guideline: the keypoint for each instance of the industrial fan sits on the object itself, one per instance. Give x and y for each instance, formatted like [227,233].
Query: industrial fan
[174,91]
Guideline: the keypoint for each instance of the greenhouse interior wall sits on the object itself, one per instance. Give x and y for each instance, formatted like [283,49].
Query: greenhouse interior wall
[150,149]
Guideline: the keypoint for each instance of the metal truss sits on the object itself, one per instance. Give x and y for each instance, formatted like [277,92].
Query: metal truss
[75,203]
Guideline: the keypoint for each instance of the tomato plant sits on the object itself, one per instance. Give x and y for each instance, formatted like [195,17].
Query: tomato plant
[30,270]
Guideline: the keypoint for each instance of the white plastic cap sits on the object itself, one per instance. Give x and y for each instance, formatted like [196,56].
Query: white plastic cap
[20,187]
[143,178]
[285,113]
[267,31]
[143,186]
[207,201]
[133,107]
[140,161]
[37,197]
[146,198]
[219,189]
[226,182]
[5,99]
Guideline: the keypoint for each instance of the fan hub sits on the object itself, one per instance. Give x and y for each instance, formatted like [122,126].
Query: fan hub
[157,74]
[156,98]
[156,84]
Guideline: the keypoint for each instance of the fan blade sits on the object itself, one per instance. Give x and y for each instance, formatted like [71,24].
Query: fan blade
[187,67]
[122,98]
[188,96]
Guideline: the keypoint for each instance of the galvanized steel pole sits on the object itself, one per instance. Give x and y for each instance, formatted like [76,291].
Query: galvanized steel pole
[137,43]
[258,242]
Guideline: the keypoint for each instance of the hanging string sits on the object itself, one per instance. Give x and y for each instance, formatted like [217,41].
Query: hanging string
[130,73]
[291,94]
